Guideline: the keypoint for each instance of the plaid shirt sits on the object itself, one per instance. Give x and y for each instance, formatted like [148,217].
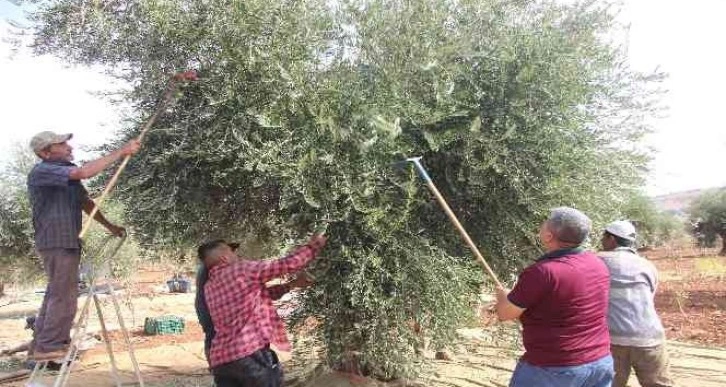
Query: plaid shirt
[200,305]
[244,318]
[57,204]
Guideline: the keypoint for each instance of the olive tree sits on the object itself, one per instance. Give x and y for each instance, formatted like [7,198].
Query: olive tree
[16,229]
[655,227]
[303,109]
[708,213]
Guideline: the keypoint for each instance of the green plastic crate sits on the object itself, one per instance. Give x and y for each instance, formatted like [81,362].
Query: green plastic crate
[164,325]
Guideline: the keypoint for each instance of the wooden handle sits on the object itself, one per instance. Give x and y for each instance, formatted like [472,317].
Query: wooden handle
[452,217]
[479,257]
[171,86]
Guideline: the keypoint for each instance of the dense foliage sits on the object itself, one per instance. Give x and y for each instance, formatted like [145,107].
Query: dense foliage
[303,107]
[16,229]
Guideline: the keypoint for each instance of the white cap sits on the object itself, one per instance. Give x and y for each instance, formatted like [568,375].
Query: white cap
[622,229]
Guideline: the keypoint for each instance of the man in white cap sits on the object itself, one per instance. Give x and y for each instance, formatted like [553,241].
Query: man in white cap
[58,197]
[636,333]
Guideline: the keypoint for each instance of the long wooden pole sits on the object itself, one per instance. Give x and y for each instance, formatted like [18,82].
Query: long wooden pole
[452,217]
[170,88]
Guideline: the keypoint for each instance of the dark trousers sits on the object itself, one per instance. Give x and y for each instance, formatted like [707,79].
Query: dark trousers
[260,369]
[55,318]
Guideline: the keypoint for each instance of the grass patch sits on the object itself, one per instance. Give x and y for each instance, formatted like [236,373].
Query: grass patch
[10,364]
[711,266]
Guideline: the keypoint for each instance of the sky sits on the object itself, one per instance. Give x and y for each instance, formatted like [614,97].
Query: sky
[684,39]
[43,93]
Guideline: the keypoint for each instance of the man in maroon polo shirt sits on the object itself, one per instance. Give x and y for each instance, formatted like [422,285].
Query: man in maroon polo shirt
[562,302]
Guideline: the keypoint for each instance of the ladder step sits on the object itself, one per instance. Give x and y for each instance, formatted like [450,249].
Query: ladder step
[80,328]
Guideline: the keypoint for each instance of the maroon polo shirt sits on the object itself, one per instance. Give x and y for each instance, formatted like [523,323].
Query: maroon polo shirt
[565,297]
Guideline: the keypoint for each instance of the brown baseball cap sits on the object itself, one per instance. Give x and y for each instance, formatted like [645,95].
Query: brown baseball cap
[45,139]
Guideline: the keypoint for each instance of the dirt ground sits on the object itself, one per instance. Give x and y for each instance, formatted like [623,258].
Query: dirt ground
[691,298]
[691,301]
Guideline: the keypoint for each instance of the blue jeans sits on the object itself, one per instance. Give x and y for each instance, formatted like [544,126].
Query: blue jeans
[598,373]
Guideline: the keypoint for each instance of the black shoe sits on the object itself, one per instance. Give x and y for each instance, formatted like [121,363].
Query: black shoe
[51,366]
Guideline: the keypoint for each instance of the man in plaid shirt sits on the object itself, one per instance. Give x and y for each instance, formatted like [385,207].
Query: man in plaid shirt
[200,304]
[245,322]
[58,197]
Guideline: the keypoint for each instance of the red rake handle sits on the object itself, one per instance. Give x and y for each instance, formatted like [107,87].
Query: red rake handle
[189,75]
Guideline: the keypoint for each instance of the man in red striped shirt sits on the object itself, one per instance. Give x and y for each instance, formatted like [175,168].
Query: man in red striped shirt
[245,321]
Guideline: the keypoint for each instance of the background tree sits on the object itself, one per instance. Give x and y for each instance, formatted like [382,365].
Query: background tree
[16,229]
[708,212]
[655,227]
[303,107]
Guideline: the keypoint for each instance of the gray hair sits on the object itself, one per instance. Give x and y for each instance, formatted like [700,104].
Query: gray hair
[569,225]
